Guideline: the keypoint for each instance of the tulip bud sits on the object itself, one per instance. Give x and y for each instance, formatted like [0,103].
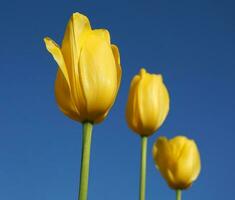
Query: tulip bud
[89,71]
[148,103]
[178,160]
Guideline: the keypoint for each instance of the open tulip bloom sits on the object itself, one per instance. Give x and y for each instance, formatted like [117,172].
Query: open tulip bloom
[87,81]
[178,161]
[147,108]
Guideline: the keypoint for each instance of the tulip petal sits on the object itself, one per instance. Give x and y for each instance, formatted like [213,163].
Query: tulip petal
[164,104]
[63,97]
[162,150]
[54,49]
[162,155]
[197,166]
[118,64]
[132,104]
[177,145]
[103,33]
[149,99]
[191,161]
[72,42]
[74,36]
[97,75]
[119,76]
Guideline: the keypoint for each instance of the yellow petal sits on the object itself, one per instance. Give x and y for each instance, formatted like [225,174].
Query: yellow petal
[188,164]
[148,102]
[118,63]
[74,36]
[63,97]
[54,49]
[98,75]
[164,104]
[132,104]
[162,155]
[177,145]
[103,33]
[162,148]
[75,33]
[119,76]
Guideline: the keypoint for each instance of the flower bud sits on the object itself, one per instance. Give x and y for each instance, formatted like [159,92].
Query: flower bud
[148,103]
[178,160]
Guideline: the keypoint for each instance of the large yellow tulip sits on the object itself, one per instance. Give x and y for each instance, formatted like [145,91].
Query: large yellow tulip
[89,72]
[148,103]
[178,160]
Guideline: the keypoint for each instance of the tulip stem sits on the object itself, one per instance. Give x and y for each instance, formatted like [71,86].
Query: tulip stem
[85,160]
[178,194]
[144,143]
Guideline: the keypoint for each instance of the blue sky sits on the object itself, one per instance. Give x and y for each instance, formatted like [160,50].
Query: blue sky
[191,43]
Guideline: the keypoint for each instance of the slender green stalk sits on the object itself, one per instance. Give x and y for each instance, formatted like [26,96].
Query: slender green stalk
[84,171]
[178,194]
[144,143]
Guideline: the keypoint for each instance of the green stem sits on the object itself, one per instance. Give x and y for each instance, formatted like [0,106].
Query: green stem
[85,161]
[178,194]
[144,142]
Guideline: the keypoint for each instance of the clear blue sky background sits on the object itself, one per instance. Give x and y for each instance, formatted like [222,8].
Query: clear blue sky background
[192,43]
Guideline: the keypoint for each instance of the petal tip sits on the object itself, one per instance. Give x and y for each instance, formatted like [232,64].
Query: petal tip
[46,40]
[79,16]
[142,71]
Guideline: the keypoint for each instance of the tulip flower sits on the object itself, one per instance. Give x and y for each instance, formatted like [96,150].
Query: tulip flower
[89,71]
[178,160]
[148,103]
[87,81]
[147,108]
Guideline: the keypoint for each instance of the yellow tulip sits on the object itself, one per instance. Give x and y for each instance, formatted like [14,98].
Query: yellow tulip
[89,72]
[148,103]
[178,160]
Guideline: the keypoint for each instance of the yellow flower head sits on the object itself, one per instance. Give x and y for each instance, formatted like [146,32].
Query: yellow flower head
[89,72]
[178,160]
[148,103]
